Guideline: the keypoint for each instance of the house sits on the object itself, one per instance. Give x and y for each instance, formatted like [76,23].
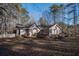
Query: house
[20,29]
[32,30]
[28,30]
[55,30]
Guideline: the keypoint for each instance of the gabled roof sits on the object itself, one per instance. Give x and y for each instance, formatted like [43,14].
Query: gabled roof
[55,25]
[31,25]
[27,26]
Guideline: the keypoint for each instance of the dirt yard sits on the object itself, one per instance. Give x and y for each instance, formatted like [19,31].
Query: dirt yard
[38,47]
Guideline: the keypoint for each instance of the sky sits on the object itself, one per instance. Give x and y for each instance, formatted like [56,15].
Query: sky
[36,9]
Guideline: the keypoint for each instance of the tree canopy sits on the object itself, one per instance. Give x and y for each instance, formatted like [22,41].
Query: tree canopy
[43,22]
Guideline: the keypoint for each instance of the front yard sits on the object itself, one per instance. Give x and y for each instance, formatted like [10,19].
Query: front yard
[38,47]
